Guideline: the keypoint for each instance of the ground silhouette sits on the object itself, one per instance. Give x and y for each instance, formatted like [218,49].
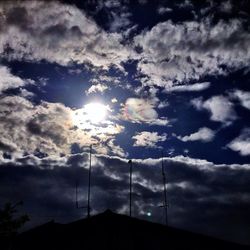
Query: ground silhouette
[109,230]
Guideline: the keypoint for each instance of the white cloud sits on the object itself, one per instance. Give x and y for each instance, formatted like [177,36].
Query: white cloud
[56,32]
[114,100]
[194,87]
[96,88]
[116,149]
[120,21]
[185,4]
[191,50]
[75,71]
[8,80]
[226,6]
[50,128]
[197,103]
[162,10]
[243,97]
[241,144]
[148,139]
[203,134]
[118,16]
[220,108]
[139,110]
[25,93]
[112,4]
[163,104]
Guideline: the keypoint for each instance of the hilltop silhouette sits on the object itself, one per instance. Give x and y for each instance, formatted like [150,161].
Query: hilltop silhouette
[109,230]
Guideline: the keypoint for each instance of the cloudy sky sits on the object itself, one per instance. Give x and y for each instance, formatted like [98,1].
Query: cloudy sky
[134,79]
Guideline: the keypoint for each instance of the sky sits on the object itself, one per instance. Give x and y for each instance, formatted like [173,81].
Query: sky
[136,80]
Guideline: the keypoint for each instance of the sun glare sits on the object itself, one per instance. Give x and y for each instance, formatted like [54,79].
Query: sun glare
[95,112]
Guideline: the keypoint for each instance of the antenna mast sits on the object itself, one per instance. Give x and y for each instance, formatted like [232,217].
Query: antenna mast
[165,205]
[130,188]
[89,185]
[77,205]
[90,155]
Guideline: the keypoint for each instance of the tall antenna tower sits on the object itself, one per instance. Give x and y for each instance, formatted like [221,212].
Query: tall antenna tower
[165,204]
[89,186]
[130,187]
[77,203]
[90,155]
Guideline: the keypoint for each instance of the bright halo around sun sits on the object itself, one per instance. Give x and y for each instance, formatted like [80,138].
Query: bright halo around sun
[95,112]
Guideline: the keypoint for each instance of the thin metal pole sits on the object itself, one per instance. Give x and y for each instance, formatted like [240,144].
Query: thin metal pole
[90,154]
[130,188]
[76,194]
[165,190]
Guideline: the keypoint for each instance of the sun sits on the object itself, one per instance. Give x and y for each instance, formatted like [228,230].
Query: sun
[95,112]
[91,117]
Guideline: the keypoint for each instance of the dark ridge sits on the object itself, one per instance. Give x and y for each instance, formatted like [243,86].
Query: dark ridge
[109,230]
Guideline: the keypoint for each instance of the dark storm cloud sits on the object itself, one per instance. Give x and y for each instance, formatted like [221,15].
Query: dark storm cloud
[204,197]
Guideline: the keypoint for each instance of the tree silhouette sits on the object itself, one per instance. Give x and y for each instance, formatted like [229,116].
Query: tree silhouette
[10,223]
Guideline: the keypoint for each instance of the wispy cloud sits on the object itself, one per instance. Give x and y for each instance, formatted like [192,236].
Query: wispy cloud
[189,88]
[8,80]
[96,88]
[219,107]
[162,10]
[241,144]
[148,139]
[203,134]
[243,97]
[139,110]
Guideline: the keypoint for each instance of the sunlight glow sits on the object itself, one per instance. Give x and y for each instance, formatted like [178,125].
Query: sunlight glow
[95,119]
[95,112]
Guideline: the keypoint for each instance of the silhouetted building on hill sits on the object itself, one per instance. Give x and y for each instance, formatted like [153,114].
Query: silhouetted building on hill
[113,231]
